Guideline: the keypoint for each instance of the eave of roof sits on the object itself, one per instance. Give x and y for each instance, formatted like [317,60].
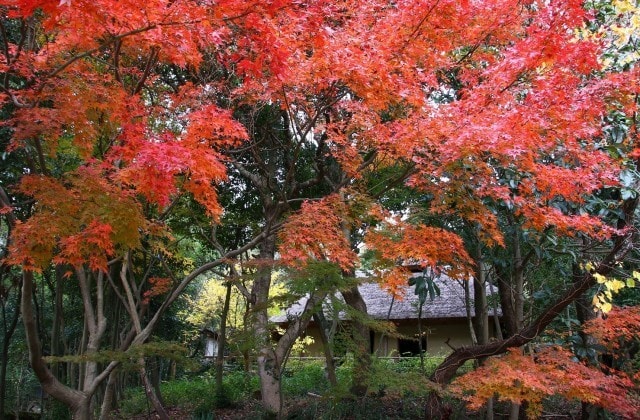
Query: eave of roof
[449,304]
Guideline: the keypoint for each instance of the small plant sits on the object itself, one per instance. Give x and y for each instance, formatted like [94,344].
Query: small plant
[197,395]
[301,377]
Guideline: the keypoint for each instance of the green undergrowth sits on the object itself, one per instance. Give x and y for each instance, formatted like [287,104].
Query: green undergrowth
[391,380]
[197,395]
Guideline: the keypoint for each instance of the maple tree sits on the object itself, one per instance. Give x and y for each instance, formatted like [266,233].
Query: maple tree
[270,104]
[551,371]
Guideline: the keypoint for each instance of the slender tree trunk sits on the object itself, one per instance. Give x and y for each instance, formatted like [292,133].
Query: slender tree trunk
[467,308]
[482,312]
[155,373]
[77,401]
[584,313]
[58,321]
[518,277]
[480,299]
[109,395]
[8,334]
[362,367]
[246,321]
[382,336]
[420,306]
[135,318]
[149,391]
[222,340]
[330,365]
[505,290]
[496,318]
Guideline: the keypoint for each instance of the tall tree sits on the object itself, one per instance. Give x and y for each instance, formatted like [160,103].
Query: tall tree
[324,93]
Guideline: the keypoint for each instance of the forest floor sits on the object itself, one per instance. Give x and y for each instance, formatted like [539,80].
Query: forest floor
[313,408]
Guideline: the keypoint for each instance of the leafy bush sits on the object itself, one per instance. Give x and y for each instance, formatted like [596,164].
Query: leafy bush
[187,392]
[239,385]
[301,377]
[390,378]
[195,394]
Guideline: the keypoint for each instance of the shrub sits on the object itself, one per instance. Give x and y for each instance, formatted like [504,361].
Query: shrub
[301,377]
[197,395]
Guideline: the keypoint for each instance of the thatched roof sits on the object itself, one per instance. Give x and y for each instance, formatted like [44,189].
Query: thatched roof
[450,303]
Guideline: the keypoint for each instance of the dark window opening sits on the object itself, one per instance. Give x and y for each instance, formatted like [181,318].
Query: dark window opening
[411,347]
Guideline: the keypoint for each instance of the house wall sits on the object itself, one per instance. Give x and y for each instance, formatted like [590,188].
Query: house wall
[313,349]
[437,334]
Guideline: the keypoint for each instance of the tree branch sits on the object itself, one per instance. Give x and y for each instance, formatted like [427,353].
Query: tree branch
[623,244]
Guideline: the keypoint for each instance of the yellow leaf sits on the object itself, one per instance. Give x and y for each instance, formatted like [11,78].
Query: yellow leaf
[636,275]
[631,283]
[606,307]
[625,6]
[616,285]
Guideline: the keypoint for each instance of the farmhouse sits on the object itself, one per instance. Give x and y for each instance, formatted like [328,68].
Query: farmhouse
[443,322]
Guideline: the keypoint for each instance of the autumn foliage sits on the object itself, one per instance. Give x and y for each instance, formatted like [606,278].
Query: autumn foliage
[123,108]
[549,371]
[523,80]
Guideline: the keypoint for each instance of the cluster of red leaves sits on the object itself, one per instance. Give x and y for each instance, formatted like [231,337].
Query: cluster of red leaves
[551,371]
[620,325]
[91,246]
[158,286]
[317,232]
[82,218]
[398,244]
[320,232]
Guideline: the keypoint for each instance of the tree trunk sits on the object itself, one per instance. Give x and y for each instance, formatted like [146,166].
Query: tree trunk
[481,320]
[268,365]
[362,367]
[83,411]
[155,373]
[467,307]
[7,335]
[330,365]
[58,320]
[481,307]
[149,392]
[505,290]
[420,307]
[77,401]
[109,396]
[518,280]
[584,313]
[271,360]
[222,340]
[270,386]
